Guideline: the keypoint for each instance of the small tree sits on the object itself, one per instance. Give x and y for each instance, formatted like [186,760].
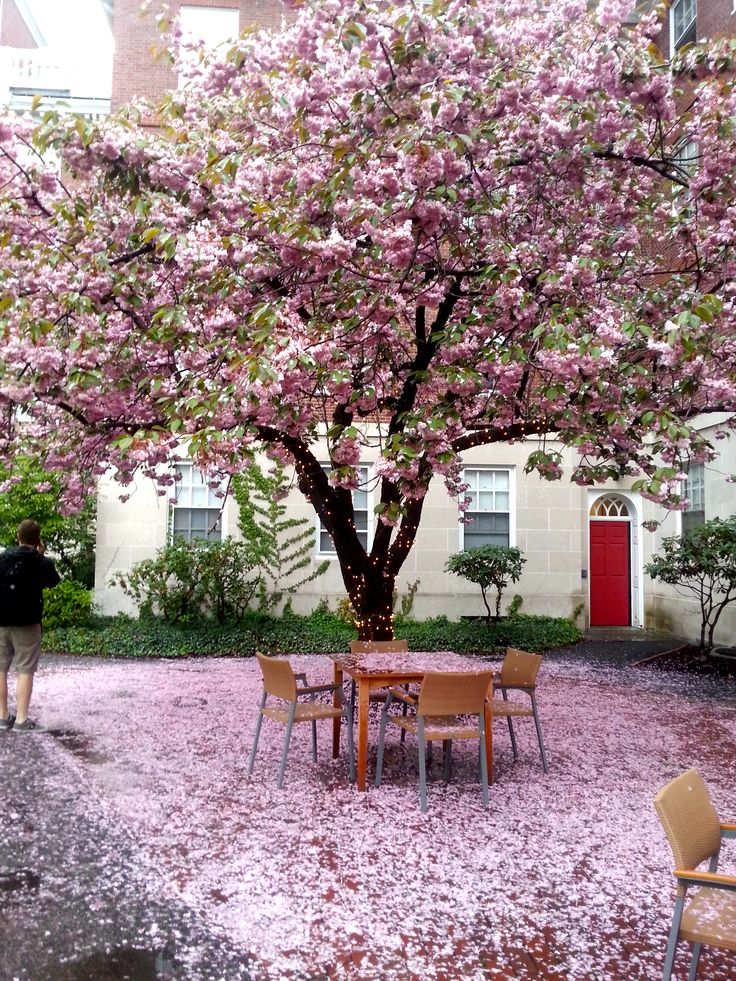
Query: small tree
[701,563]
[282,547]
[490,566]
[29,491]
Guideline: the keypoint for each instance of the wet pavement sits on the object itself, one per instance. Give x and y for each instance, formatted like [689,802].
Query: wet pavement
[78,901]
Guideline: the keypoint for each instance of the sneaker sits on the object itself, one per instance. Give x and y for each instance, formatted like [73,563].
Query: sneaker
[28,726]
[7,723]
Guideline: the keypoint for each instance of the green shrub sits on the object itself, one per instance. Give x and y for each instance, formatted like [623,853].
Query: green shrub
[67,605]
[190,580]
[492,567]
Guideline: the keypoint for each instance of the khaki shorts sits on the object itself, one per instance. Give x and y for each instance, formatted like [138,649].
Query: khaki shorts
[22,647]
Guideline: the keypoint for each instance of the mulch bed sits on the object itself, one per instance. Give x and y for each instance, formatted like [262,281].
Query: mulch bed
[689,659]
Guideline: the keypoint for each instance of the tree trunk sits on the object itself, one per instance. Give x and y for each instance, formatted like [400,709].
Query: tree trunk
[373,602]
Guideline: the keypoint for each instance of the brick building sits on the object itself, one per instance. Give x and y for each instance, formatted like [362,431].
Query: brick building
[138,73]
[693,20]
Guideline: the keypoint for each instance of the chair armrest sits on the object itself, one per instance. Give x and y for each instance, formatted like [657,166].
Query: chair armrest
[728,830]
[311,689]
[713,880]
[400,695]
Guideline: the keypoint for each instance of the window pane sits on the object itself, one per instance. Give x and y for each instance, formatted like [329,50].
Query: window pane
[485,478]
[199,497]
[502,501]
[360,512]
[501,479]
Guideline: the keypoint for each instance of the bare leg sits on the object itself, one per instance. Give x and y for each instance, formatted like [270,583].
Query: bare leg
[23,690]
[3,696]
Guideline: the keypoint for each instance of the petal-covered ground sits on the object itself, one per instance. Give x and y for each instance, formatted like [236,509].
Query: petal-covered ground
[565,876]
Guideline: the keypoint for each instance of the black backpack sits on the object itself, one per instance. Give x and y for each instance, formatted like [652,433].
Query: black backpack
[20,588]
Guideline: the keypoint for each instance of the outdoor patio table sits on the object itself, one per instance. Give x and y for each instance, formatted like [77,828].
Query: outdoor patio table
[382,670]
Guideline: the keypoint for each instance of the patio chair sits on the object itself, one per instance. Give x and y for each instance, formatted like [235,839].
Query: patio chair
[519,673]
[445,700]
[279,681]
[708,914]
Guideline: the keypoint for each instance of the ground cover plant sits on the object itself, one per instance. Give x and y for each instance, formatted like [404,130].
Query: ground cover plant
[291,634]
[393,231]
[565,876]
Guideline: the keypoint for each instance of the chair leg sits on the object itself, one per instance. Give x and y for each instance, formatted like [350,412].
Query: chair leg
[287,738]
[694,963]
[403,731]
[351,743]
[513,737]
[422,764]
[483,760]
[381,739]
[672,941]
[447,753]
[539,733]
[258,734]
[510,725]
[314,740]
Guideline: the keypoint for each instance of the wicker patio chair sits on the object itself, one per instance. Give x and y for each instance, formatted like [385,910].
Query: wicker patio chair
[280,682]
[706,915]
[519,673]
[444,702]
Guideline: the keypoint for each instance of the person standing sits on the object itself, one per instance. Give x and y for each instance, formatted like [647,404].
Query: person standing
[24,574]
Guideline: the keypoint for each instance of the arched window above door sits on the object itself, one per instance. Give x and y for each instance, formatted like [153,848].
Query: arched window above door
[610,507]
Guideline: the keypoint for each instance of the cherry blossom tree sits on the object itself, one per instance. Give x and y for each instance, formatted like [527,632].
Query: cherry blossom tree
[399,227]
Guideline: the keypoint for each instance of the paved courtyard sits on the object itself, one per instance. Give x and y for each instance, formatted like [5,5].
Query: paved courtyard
[132,844]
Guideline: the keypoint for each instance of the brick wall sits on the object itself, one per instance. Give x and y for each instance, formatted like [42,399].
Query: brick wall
[14,32]
[136,72]
[714,19]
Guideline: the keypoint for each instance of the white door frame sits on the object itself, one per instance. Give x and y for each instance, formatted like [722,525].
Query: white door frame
[636,558]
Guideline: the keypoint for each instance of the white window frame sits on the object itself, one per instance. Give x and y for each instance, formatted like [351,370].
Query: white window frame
[678,40]
[184,492]
[365,485]
[687,156]
[694,490]
[511,472]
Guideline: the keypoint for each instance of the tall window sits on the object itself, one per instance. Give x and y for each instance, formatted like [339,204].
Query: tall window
[360,509]
[683,28]
[197,512]
[490,508]
[207,26]
[694,514]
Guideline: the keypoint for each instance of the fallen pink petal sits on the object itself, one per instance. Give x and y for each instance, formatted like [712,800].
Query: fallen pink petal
[565,876]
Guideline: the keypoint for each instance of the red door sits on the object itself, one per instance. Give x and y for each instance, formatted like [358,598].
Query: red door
[610,571]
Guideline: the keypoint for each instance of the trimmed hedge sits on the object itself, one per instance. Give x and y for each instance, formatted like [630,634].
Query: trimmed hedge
[319,633]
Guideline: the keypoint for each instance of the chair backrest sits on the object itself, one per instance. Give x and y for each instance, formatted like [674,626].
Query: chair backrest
[278,677]
[378,646]
[689,819]
[520,668]
[454,692]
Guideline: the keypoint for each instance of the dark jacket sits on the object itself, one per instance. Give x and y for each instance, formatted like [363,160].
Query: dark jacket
[24,574]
